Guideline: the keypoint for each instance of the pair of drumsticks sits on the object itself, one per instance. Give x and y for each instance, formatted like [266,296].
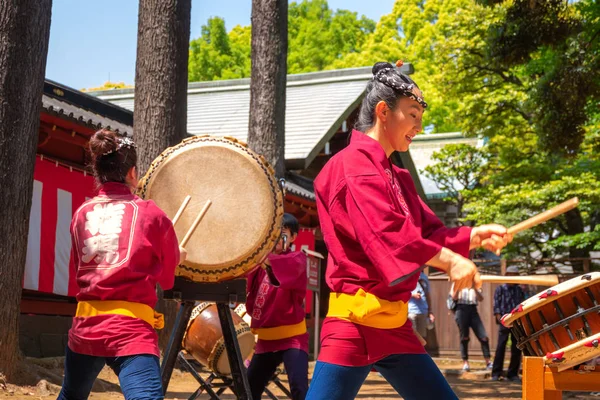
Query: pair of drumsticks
[530,223]
[527,224]
[196,222]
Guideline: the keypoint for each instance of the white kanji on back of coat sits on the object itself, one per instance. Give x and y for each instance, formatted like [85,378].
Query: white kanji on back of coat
[104,223]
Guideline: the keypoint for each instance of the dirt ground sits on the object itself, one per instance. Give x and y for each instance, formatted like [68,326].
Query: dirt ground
[42,378]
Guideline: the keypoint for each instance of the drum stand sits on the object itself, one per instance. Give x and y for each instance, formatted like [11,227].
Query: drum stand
[543,383]
[220,383]
[187,293]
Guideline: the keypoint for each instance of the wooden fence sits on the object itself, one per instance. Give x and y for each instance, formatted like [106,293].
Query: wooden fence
[444,339]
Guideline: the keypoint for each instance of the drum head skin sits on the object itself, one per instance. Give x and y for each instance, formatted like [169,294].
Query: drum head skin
[244,221]
[566,315]
[555,292]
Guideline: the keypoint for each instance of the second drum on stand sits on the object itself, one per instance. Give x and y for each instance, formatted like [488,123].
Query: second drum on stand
[204,341]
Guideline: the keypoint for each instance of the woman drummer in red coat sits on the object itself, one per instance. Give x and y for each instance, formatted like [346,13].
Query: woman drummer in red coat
[121,247]
[379,235]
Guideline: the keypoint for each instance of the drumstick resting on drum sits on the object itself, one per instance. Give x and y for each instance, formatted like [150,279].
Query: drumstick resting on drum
[190,231]
[186,201]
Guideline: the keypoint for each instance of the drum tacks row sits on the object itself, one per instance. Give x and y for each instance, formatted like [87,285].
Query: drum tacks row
[561,324]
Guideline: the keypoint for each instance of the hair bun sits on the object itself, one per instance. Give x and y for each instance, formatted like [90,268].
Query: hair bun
[379,66]
[103,142]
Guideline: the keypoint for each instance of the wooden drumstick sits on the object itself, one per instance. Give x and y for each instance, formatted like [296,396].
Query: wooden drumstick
[186,201]
[538,280]
[538,219]
[190,231]
[545,216]
[423,341]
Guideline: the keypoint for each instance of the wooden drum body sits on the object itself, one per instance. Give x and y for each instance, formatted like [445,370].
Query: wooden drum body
[244,221]
[561,324]
[204,341]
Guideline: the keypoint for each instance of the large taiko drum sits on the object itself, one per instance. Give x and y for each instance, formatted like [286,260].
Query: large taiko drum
[561,324]
[204,340]
[244,220]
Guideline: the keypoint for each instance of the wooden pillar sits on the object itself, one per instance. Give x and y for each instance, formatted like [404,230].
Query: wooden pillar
[533,381]
[503,266]
[586,265]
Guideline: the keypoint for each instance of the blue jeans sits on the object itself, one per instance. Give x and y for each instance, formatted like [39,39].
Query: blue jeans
[413,376]
[139,375]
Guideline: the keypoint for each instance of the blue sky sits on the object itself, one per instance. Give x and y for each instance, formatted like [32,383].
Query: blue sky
[94,40]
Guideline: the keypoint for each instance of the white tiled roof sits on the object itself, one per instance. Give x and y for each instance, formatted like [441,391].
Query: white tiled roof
[316,106]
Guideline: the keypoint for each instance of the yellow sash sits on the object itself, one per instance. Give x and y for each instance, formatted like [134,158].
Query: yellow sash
[281,332]
[128,308]
[366,309]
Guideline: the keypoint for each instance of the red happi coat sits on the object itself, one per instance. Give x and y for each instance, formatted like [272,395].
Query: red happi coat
[379,234]
[122,246]
[272,306]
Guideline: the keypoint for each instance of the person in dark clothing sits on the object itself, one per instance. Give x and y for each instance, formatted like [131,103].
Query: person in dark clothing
[467,317]
[506,298]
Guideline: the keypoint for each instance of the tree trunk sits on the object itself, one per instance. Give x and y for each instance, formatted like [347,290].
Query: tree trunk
[24,33]
[160,109]
[460,203]
[266,133]
[160,115]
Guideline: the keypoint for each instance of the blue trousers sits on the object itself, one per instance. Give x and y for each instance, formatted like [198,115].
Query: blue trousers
[263,366]
[413,376]
[139,375]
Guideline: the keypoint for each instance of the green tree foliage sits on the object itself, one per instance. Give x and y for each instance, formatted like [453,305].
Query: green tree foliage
[523,74]
[321,39]
[412,32]
[457,172]
[318,36]
[217,54]
[534,96]
[527,64]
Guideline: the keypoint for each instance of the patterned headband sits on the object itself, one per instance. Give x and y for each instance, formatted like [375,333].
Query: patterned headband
[390,77]
[122,142]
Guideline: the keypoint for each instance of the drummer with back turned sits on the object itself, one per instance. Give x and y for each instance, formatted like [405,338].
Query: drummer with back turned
[275,301]
[122,246]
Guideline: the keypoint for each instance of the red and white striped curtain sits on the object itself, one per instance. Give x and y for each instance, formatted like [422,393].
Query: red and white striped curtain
[57,193]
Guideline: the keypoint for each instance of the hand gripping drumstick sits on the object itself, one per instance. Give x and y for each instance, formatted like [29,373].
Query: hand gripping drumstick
[190,231]
[186,201]
[540,218]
